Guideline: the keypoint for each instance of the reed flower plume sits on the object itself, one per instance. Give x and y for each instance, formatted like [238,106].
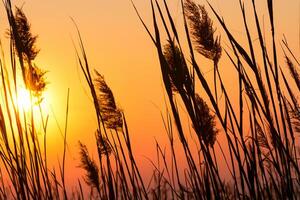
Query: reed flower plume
[205,126]
[26,40]
[202,31]
[35,80]
[178,71]
[89,165]
[103,145]
[261,137]
[111,115]
[25,45]
[295,117]
[293,71]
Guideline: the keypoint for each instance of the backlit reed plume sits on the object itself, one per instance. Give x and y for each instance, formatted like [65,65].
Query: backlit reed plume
[26,40]
[89,165]
[261,137]
[293,71]
[202,31]
[111,115]
[178,71]
[35,80]
[295,117]
[103,145]
[25,43]
[206,125]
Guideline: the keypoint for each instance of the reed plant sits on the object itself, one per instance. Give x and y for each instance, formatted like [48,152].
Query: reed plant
[263,162]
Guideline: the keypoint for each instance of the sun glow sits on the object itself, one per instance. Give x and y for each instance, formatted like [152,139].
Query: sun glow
[24,100]
[27,102]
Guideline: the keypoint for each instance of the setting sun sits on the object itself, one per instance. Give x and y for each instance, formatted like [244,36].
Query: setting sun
[23,99]
[27,102]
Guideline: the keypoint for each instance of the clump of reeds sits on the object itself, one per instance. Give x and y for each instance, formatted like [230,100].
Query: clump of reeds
[262,157]
[22,153]
[119,175]
[263,161]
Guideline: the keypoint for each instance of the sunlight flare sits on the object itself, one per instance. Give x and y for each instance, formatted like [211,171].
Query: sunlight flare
[24,100]
[27,102]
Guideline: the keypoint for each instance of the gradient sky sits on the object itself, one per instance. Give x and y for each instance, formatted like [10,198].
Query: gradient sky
[119,48]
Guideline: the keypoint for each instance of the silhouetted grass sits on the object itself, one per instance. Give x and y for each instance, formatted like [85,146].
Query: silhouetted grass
[260,129]
[24,169]
[263,162]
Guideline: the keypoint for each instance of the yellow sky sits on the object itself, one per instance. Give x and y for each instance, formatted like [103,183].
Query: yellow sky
[119,48]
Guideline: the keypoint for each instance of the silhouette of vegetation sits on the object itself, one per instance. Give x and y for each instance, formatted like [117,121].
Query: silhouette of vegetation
[25,45]
[92,176]
[26,41]
[23,156]
[111,115]
[202,31]
[260,129]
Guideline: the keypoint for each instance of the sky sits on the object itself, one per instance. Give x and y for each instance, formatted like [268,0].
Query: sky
[120,49]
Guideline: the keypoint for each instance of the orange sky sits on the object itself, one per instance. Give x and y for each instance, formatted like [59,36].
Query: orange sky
[119,48]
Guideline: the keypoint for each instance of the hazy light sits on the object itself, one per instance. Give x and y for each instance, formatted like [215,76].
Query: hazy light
[23,99]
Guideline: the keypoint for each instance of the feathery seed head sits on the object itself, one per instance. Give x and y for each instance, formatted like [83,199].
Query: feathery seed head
[89,165]
[103,145]
[206,125]
[202,31]
[35,80]
[178,71]
[293,71]
[25,38]
[111,115]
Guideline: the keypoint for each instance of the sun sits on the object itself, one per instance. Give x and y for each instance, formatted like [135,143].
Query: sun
[28,102]
[23,99]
